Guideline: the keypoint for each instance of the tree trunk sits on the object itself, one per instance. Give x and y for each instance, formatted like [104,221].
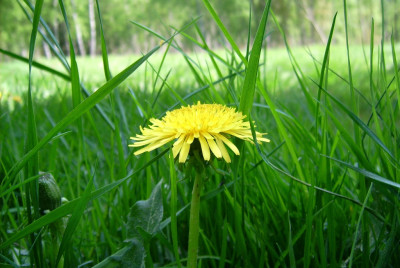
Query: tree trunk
[46,50]
[81,46]
[310,16]
[92,25]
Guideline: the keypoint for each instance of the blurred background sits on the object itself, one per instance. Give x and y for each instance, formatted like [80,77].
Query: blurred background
[305,22]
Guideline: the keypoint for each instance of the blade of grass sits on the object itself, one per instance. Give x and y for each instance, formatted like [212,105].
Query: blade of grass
[353,101]
[246,101]
[104,53]
[32,166]
[174,228]
[36,64]
[322,75]
[76,92]
[367,173]
[224,30]
[396,71]
[358,225]
[74,220]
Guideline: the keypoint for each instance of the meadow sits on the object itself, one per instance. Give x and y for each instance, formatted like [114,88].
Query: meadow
[324,192]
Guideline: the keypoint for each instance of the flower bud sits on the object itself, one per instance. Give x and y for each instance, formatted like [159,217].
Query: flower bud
[49,193]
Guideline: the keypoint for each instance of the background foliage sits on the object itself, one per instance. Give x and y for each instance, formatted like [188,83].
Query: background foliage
[305,22]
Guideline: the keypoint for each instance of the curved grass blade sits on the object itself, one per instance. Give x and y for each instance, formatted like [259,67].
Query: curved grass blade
[367,173]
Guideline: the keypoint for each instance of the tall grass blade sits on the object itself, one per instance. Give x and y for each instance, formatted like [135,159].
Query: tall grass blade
[246,101]
[73,221]
[225,31]
[104,53]
[174,228]
[358,225]
[32,167]
[322,75]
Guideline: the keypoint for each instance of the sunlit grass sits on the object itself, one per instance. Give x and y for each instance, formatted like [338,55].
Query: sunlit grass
[324,191]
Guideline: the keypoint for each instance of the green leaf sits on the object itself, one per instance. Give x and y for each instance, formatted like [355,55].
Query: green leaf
[131,255]
[146,215]
[143,222]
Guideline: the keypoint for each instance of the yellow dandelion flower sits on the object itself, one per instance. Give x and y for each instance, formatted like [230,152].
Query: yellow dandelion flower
[209,124]
[17,99]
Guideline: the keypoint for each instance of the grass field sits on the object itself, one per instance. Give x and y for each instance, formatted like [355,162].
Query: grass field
[323,193]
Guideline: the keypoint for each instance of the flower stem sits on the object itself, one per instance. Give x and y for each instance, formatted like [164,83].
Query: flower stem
[194,221]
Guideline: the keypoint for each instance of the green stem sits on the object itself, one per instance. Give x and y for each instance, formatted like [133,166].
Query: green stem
[194,221]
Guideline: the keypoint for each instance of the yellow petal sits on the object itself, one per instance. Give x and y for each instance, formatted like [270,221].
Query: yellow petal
[180,140]
[214,148]
[229,143]
[204,148]
[153,146]
[176,149]
[207,135]
[224,152]
[190,139]
[184,152]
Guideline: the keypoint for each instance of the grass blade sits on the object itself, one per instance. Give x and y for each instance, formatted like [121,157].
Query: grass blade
[74,219]
[224,30]
[174,228]
[32,167]
[368,174]
[246,102]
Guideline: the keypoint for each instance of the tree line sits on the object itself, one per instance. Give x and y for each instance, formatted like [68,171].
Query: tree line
[305,22]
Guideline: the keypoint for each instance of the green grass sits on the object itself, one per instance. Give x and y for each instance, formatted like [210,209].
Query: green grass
[324,192]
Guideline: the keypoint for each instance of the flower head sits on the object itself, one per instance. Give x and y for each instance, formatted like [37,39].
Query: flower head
[208,124]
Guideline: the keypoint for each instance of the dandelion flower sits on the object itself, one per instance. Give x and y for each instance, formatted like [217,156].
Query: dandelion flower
[211,125]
